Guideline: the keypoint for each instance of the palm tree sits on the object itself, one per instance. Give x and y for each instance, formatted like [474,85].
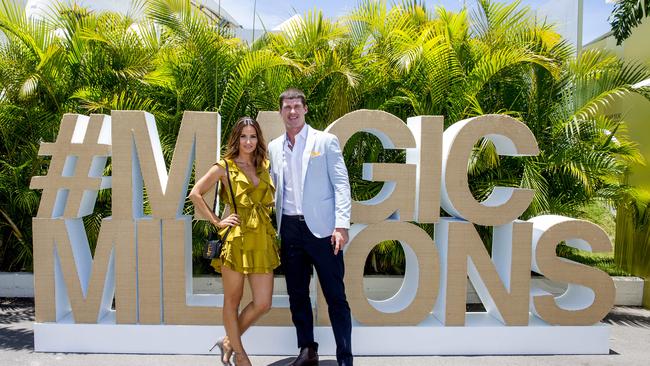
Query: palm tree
[28,104]
[166,57]
[77,61]
[502,60]
[627,15]
[632,247]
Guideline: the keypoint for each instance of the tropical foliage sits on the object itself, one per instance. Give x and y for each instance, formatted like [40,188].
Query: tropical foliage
[627,15]
[632,248]
[167,57]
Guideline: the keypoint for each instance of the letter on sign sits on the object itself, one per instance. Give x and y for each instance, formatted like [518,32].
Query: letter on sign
[590,294]
[398,194]
[511,138]
[415,298]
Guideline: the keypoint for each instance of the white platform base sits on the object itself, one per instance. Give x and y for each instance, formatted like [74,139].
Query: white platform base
[482,335]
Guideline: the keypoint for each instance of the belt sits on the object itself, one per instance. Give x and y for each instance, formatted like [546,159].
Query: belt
[295,217]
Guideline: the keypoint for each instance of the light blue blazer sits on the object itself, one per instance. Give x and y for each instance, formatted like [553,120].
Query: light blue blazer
[326,200]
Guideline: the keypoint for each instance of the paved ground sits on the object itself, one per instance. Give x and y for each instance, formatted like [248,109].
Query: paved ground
[630,342]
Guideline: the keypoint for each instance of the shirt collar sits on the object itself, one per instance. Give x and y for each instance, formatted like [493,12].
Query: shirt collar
[302,134]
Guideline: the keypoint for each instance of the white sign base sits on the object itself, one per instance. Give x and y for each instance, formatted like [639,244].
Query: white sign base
[481,335]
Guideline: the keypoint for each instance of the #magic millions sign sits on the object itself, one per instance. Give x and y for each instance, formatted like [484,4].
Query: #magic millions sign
[135,295]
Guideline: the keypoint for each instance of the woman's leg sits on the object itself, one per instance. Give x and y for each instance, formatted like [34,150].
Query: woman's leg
[233,288]
[262,289]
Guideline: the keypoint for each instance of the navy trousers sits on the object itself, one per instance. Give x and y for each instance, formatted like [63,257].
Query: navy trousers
[300,250]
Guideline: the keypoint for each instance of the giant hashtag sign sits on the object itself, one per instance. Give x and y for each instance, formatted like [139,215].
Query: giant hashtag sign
[75,174]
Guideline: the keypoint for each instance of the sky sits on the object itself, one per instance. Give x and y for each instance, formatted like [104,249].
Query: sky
[271,13]
[563,12]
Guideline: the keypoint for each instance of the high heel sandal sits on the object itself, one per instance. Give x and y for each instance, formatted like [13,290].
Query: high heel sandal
[222,350]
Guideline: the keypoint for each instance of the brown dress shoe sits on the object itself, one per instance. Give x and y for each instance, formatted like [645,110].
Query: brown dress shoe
[307,357]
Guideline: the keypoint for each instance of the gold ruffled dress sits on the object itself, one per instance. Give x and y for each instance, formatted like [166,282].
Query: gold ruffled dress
[251,246]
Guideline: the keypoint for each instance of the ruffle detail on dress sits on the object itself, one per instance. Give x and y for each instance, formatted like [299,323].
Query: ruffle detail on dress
[250,247]
[242,185]
[249,261]
[242,190]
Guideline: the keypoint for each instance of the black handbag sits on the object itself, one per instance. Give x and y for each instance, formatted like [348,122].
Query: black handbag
[214,244]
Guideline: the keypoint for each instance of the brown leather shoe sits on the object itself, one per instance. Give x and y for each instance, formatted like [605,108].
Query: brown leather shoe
[307,357]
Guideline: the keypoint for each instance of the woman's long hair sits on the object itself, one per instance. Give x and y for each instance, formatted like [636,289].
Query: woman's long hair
[232,149]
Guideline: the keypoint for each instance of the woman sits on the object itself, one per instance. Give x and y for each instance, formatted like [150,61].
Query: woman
[250,249]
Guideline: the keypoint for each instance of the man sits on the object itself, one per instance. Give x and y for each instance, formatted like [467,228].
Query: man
[313,202]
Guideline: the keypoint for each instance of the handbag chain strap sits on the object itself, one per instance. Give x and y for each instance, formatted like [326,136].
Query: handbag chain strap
[232,195]
[216,191]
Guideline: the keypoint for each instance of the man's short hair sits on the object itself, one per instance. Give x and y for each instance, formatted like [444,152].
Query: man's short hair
[293,93]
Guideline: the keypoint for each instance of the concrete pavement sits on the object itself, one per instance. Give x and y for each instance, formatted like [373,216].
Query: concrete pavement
[630,346]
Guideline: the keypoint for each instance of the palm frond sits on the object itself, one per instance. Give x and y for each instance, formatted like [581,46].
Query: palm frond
[627,15]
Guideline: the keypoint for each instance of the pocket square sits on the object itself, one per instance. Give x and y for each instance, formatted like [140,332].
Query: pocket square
[315,154]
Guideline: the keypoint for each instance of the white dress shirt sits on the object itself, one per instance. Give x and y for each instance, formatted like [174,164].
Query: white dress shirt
[292,174]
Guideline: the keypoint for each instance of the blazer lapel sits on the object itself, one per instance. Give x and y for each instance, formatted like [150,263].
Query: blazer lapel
[306,154]
[280,163]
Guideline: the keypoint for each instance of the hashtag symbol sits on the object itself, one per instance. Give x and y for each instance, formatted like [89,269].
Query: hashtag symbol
[75,173]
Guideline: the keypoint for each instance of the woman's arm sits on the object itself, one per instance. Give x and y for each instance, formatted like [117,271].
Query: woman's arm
[204,184]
